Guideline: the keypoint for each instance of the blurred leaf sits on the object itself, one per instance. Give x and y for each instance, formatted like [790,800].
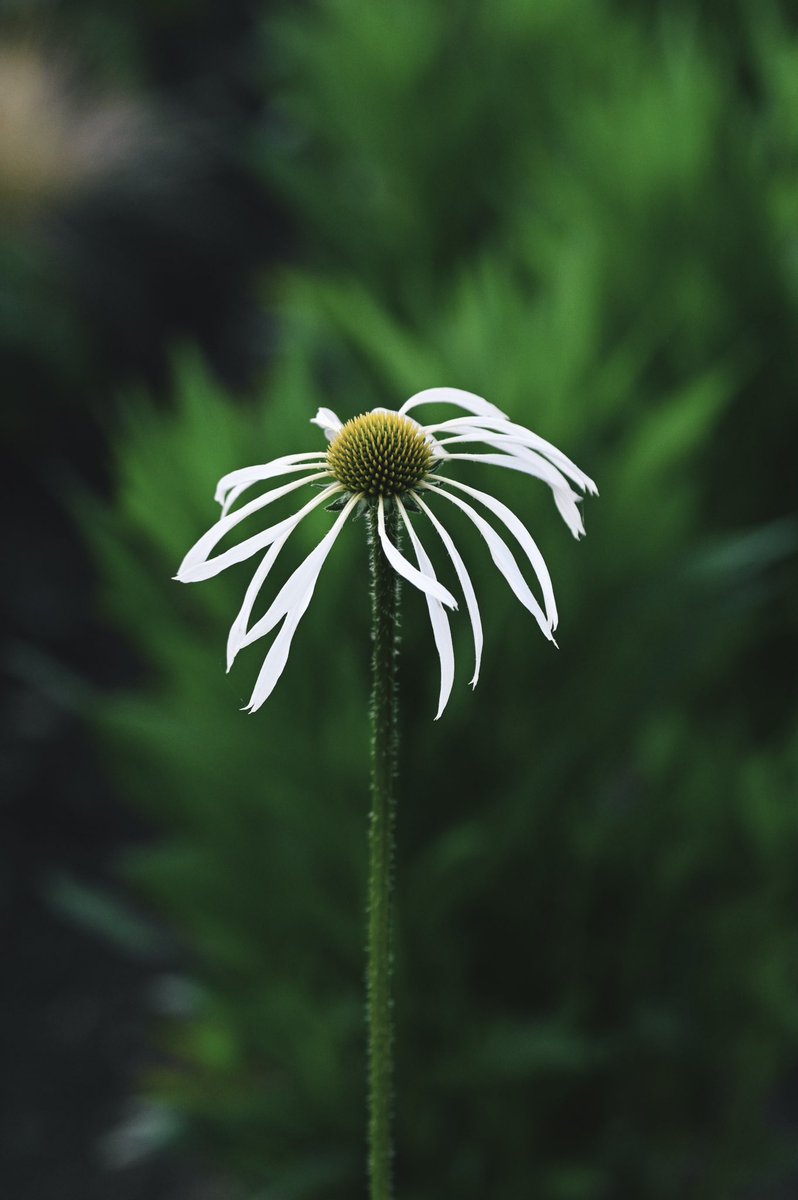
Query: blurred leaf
[106,916]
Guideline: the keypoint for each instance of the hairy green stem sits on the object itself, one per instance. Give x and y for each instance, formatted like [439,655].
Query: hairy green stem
[382,819]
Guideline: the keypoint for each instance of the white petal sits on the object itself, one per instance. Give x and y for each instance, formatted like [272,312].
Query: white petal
[327,420]
[527,438]
[547,471]
[406,569]
[244,476]
[238,630]
[235,492]
[448,395]
[567,506]
[503,558]
[274,663]
[294,608]
[305,575]
[524,538]
[565,498]
[197,566]
[465,584]
[437,615]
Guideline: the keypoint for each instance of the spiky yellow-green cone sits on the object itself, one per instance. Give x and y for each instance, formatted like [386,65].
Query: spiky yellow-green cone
[380,454]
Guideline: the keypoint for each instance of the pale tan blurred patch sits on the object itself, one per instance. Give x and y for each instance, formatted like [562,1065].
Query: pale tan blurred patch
[54,140]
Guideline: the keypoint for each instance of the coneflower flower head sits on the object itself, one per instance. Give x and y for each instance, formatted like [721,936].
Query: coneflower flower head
[387,459]
[380,454]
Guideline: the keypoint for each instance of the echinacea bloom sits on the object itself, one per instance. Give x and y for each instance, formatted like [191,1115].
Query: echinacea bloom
[379,459]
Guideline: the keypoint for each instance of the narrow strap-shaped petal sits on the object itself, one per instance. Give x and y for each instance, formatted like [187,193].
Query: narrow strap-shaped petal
[245,476]
[305,574]
[275,660]
[465,583]
[197,566]
[521,434]
[234,493]
[565,499]
[503,558]
[238,630]
[294,606]
[522,535]
[329,421]
[547,471]
[437,614]
[567,506]
[406,569]
[448,395]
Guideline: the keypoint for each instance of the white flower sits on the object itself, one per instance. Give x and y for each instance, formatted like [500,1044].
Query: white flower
[378,459]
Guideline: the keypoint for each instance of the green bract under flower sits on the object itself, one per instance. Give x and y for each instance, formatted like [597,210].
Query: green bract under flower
[380,454]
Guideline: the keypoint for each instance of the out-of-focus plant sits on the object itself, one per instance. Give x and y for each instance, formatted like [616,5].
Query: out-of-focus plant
[598,998]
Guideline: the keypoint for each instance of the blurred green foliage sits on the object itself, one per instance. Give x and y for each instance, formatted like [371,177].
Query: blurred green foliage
[592,223]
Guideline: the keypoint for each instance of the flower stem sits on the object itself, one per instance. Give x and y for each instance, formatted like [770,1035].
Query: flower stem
[382,819]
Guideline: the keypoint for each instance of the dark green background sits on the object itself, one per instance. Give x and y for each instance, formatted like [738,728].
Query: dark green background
[587,213]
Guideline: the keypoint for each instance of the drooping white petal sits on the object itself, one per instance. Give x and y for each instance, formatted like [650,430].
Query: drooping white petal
[568,508]
[526,437]
[245,476]
[234,493]
[274,663]
[238,630]
[448,395]
[293,603]
[197,566]
[306,573]
[546,470]
[465,583]
[503,558]
[406,569]
[522,535]
[437,615]
[329,421]
[565,498]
